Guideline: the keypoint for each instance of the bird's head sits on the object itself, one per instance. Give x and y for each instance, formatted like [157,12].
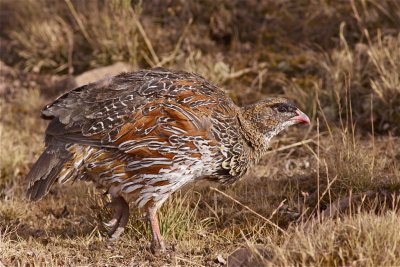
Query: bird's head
[272,115]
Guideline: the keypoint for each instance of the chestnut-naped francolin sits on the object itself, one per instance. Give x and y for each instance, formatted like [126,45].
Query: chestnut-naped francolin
[143,135]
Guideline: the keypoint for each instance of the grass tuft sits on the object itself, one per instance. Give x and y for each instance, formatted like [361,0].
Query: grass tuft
[358,240]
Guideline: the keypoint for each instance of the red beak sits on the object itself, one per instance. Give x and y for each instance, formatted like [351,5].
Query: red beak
[301,117]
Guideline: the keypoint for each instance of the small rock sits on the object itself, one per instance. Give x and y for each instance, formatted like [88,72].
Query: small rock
[101,73]
[220,259]
[254,256]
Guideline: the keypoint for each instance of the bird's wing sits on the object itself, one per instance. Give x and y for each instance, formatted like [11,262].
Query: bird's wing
[135,111]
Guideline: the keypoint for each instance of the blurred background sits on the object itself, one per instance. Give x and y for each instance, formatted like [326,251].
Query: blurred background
[307,50]
[339,61]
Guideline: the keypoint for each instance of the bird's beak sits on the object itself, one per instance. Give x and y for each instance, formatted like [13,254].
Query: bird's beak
[301,117]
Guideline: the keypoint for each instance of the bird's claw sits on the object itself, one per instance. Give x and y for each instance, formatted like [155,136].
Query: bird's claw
[111,223]
[120,218]
[117,233]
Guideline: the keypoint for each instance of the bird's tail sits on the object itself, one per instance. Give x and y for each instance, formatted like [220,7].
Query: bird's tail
[46,169]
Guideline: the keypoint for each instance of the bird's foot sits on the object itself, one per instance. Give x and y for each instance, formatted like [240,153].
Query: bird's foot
[158,247]
[157,244]
[120,217]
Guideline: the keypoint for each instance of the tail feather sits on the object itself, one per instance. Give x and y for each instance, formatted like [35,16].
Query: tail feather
[46,170]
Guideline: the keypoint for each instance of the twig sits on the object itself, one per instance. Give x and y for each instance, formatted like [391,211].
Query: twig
[252,211]
[242,72]
[70,39]
[192,263]
[327,190]
[177,46]
[79,21]
[291,146]
[147,58]
[70,36]
[147,41]
[276,210]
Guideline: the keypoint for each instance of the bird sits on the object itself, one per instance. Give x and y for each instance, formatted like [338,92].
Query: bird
[143,135]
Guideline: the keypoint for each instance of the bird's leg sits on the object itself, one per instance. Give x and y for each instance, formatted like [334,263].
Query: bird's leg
[157,243]
[120,217]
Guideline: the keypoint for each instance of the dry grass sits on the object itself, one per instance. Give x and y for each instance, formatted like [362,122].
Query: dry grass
[118,37]
[63,35]
[20,138]
[361,240]
[366,77]
[329,200]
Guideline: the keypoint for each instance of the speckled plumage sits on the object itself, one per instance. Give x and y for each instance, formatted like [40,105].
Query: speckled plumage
[145,134]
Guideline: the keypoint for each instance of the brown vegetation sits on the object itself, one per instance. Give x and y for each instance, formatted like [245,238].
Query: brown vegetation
[331,199]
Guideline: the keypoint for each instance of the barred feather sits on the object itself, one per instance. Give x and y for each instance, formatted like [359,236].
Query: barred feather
[143,135]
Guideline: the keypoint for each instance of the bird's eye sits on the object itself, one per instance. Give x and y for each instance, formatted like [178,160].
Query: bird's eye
[282,108]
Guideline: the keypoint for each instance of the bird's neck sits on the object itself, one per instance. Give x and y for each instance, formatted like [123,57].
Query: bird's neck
[257,141]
